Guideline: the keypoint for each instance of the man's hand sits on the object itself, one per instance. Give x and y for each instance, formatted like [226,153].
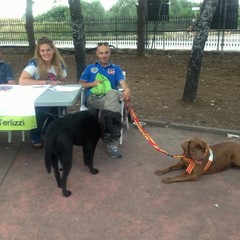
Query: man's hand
[127,94]
[96,82]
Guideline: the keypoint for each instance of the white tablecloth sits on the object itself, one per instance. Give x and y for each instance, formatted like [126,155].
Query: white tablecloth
[17,111]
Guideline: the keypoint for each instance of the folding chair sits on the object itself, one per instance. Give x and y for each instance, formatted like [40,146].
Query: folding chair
[124,118]
[123,113]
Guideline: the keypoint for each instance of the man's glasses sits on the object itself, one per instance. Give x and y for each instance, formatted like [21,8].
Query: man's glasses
[103,43]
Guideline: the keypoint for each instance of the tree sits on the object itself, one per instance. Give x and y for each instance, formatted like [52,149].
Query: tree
[29,26]
[202,26]
[141,13]
[78,35]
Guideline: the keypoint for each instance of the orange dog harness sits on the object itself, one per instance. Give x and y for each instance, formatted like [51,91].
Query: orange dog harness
[192,163]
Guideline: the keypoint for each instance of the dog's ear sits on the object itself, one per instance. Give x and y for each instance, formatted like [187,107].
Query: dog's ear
[185,147]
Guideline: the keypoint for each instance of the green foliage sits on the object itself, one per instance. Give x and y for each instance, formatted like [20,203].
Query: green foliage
[93,10]
[182,8]
[123,9]
[59,13]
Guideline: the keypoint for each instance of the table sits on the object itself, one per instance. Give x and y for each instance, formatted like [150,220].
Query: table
[56,96]
[59,96]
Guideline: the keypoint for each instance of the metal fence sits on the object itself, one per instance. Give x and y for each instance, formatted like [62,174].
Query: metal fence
[169,33]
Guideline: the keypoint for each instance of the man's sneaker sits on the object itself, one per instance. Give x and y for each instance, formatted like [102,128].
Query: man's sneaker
[113,151]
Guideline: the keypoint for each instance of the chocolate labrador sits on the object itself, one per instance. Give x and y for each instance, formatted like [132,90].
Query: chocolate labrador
[84,129]
[199,158]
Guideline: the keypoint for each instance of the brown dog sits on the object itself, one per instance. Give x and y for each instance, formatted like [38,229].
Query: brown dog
[203,159]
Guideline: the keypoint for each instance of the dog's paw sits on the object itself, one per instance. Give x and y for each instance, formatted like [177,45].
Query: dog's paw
[166,180]
[94,171]
[67,193]
[158,172]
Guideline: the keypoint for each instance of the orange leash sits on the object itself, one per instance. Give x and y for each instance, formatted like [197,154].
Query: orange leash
[147,136]
[156,147]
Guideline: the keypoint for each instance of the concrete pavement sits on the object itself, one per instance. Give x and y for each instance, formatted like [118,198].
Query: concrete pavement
[125,201]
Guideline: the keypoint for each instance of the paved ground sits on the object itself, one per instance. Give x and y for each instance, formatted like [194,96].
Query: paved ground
[125,201]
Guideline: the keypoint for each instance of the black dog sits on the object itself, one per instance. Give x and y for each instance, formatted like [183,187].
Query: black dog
[84,129]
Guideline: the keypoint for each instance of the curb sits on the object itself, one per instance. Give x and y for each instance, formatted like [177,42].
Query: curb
[190,127]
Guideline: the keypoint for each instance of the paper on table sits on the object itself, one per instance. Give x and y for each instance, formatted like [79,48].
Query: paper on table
[64,89]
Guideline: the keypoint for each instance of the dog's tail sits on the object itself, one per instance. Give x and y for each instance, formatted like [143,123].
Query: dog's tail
[49,144]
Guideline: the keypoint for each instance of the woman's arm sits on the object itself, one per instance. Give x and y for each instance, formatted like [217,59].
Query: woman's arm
[26,79]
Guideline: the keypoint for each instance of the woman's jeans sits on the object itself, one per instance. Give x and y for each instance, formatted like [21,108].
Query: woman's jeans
[44,115]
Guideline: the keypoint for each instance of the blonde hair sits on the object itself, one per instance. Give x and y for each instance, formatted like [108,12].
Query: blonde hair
[57,60]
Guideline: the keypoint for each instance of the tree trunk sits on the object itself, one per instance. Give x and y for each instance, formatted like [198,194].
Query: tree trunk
[141,11]
[29,26]
[78,35]
[195,62]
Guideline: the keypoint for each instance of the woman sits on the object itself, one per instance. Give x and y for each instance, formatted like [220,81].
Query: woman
[47,67]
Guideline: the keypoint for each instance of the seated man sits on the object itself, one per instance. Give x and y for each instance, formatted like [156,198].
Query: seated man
[101,81]
[6,73]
